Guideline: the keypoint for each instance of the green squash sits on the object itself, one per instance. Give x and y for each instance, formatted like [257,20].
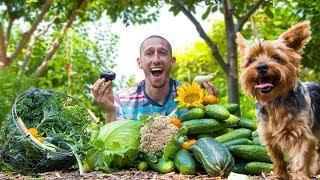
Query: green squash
[214,157]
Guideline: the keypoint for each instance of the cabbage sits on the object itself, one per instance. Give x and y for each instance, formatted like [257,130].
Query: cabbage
[115,146]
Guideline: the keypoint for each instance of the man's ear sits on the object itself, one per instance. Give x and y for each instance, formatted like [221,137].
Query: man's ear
[173,62]
[242,44]
[139,63]
[297,36]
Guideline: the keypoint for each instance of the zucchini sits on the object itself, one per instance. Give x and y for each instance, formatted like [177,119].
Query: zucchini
[243,141]
[233,108]
[215,158]
[217,112]
[235,134]
[162,165]
[248,123]
[204,126]
[256,168]
[184,162]
[250,153]
[194,113]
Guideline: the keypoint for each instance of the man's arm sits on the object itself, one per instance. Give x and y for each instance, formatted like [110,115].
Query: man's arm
[102,94]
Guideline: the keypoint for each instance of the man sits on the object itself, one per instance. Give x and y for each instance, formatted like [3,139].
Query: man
[154,95]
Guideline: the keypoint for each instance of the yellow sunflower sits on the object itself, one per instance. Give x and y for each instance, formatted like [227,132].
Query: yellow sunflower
[190,95]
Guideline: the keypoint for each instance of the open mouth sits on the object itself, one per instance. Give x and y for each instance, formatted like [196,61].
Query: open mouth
[265,84]
[156,71]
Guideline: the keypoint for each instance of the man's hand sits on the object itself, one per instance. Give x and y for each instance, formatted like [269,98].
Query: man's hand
[211,88]
[102,94]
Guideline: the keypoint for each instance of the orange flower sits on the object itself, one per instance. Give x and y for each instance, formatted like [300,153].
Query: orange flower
[176,121]
[187,144]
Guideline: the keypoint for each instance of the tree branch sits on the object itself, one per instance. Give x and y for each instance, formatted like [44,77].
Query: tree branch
[33,42]
[214,49]
[41,69]
[245,18]
[9,31]
[3,55]
[26,36]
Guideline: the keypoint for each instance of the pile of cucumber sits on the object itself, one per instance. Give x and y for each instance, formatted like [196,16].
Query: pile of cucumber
[237,134]
[217,141]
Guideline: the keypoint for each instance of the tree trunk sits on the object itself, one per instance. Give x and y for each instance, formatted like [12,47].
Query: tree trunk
[233,87]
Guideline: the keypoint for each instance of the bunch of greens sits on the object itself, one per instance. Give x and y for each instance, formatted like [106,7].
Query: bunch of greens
[60,120]
[115,146]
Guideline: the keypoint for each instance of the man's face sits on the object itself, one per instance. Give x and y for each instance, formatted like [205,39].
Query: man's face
[156,61]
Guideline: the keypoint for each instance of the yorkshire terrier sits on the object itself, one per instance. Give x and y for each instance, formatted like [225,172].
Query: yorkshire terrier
[287,109]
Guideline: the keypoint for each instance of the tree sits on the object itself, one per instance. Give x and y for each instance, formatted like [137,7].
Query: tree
[240,11]
[53,18]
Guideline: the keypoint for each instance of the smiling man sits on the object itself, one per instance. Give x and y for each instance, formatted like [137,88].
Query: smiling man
[154,95]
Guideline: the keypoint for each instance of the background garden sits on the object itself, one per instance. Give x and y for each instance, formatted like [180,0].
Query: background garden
[49,44]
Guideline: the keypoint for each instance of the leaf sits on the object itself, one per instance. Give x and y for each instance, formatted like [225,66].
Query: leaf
[206,14]
[269,13]
[175,10]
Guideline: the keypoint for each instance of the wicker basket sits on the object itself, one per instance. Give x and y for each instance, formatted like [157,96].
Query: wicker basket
[24,152]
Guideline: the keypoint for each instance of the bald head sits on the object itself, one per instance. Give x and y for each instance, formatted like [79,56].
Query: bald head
[159,37]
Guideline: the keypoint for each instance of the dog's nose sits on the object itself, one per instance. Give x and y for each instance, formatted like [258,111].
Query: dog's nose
[262,68]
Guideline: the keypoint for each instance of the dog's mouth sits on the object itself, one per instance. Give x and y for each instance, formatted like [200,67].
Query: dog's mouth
[265,84]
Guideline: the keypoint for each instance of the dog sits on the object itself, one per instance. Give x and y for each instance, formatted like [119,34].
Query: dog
[287,109]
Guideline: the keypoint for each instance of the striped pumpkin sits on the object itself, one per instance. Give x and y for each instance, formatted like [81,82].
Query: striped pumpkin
[214,157]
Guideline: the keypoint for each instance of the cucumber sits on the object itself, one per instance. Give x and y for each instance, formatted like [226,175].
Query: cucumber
[248,123]
[240,168]
[194,113]
[184,162]
[142,166]
[217,112]
[255,133]
[233,120]
[204,135]
[243,141]
[222,131]
[162,166]
[214,158]
[235,134]
[256,168]
[233,108]
[204,125]
[250,153]
[256,141]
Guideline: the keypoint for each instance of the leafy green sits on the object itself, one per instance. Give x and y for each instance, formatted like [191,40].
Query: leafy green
[116,145]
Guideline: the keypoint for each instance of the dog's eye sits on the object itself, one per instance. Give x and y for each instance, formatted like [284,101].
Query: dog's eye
[276,58]
[249,61]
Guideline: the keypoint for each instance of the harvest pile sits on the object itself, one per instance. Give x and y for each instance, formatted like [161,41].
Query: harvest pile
[208,137]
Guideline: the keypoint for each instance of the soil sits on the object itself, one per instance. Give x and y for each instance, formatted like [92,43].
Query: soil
[127,174]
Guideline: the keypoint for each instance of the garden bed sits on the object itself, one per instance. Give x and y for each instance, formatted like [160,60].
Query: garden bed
[126,174]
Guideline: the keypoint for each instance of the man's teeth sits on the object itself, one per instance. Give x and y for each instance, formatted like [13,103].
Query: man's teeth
[156,69]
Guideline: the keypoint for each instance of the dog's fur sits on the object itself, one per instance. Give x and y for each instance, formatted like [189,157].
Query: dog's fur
[287,109]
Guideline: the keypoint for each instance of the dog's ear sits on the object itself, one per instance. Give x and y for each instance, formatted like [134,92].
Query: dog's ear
[297,36]
[242,44]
